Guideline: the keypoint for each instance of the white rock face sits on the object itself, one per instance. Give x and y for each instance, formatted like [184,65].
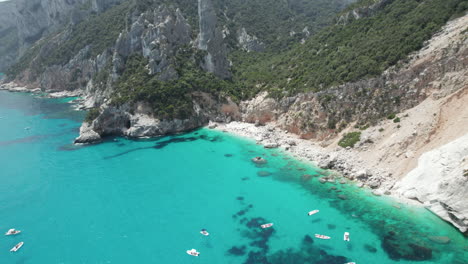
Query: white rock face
[439,183]
[87,135]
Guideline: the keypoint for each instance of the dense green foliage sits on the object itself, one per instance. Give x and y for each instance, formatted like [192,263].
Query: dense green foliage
[92,114]
[350,139]
[278,24]
[346,53]
[169,99]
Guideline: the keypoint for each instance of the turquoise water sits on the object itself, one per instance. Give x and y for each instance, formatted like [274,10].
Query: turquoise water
[145,201]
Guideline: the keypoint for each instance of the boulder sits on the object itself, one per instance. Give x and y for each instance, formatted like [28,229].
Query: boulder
[259,160]
[271,145]
[440,239]
[263,173]
[212,125]
[87,135]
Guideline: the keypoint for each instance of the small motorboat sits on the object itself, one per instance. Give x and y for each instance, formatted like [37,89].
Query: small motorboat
[12,232]
[346,236]
[204,232]
[266,225]
[193,252]
[313,212]
[350,263]
[17,247]
[322,236]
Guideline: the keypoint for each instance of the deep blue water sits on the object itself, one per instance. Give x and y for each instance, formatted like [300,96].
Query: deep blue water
[145,201]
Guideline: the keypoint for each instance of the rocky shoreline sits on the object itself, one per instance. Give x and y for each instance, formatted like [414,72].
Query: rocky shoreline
[347,163]
[447,202]
[13,87]
[341,160]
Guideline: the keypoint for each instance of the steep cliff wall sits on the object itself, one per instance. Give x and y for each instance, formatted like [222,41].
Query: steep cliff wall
[8,35]
[37,18]
[211,40]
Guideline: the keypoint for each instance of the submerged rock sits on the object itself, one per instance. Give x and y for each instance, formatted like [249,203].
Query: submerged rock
[440,239]
[308,240]
[237,251]
[259,160]
[370,248]
[397,248]
[263,173]
[343,197]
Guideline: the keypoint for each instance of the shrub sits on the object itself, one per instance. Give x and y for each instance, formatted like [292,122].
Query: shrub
[350,139]
[391,116]
[381,129]
[396,120]
[92,114]
[366,126]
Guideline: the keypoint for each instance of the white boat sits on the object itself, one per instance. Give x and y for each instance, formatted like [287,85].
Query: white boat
[17,247]
[204,232]
[266,225]
[322,236]
[193,252]
[12,232]
[346,236]
[350,263]
[313,212]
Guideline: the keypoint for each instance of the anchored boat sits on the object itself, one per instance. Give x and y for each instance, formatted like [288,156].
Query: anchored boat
[12,232]
[313,212]
[17,247]
[322,236]
[193,252]
[346,236]
[204,232]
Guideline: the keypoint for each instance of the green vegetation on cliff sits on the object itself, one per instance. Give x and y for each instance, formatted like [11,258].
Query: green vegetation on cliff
[278,24]
[343,52]
[92,114]
[98,32]
[169,99]
[350,139]
[362,48]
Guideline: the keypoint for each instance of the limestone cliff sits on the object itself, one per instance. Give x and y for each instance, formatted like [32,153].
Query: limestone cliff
[37,18]
[8,35]
[440,182]
[211,40]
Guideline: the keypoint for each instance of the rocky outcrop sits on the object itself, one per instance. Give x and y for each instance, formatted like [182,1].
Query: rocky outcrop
[37,18]
[438,182]
[248,42]
[138,120]
[210,39]
[157,35]
[87,135]
[363,11]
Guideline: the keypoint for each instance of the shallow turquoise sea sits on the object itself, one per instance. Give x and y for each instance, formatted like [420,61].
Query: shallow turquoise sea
[145,201]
